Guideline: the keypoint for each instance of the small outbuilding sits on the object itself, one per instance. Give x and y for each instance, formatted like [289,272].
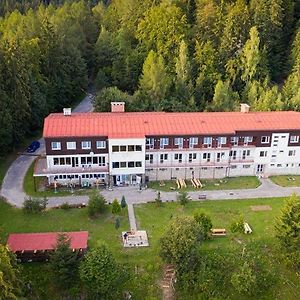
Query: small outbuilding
[38,246]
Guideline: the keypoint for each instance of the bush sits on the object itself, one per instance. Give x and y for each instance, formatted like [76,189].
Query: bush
[123,202]
[96,203]
[204,221]
[34,205]
[116,207]
[183,198]
[65,206]
[237,226]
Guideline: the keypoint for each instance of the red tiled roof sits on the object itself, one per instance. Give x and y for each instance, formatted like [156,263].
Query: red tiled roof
[44,241]
[133,125]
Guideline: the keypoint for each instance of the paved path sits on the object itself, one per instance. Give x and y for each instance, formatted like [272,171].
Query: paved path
[12,186]
[131,217]
[133,195]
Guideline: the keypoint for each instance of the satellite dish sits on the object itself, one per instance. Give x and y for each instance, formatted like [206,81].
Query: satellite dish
[92,153]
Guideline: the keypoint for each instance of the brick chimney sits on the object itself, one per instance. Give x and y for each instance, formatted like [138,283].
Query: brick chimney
[117,107]
[245,108]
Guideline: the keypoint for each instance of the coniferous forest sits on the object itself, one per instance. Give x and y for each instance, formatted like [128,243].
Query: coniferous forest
[171,55]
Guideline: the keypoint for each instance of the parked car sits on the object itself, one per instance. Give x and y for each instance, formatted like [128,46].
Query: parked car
[33,146]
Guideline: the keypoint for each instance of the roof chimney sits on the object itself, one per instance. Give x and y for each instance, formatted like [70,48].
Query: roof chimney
[245,108]
[117,107]
[67,111]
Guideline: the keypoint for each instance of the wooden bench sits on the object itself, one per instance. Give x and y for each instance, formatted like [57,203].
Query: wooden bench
[218,232]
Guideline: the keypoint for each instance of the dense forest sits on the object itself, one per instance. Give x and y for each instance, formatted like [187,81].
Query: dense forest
[172,55]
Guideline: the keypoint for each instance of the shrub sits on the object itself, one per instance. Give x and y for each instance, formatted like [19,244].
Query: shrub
[123,202]
[34,205]
[158,200]
[183,198]
[204,221]
[96,203]
[237,225]
[116,207]
[65,206]
[117,223]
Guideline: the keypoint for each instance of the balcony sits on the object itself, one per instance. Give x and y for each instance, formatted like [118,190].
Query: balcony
[40,169]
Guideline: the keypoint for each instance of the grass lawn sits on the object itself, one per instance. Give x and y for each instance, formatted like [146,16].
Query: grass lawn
[155,220]
[230,183]
[40,183]
[13,220]
[286,180]
[146,261]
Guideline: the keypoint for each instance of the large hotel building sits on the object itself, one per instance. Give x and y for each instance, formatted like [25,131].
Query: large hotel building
[121,148]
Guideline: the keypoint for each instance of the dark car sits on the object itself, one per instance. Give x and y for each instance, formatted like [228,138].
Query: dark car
[33,146]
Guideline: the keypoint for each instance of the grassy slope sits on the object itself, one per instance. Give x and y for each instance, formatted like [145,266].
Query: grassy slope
[243,182]
[286,180]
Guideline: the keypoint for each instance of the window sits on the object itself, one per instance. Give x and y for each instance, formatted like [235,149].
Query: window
[102,161]
[294,138]
[246,166]
[178,142]
[248,139]
[192,156]
[292,152]
[164,142]
[233,167]
[149,157]
[245,153]
[206,156]
[86,145]
[279,165]
[101,144]
[263,153]
[163,157]
[130,148]
[193,142]
[55,161]
[131,164]
[220,155]
[55,146]
[207,141]
[138,164]
[150,143]
[221,141]
[123,164]
[178,156]
[265,139]
[68,160]
[123,148]
[116,165]
[71,145]
[138,148]
[234,140]
[232,154]
[115,148]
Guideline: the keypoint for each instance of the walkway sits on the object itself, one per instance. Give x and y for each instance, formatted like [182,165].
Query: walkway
[12,186]
[131,217]
[133,195]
